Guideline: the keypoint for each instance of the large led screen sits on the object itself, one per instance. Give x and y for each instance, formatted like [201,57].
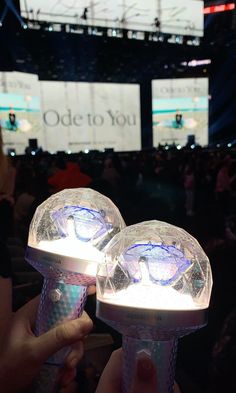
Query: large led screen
[20,110]
[184,17]
[79,116]
[180,111]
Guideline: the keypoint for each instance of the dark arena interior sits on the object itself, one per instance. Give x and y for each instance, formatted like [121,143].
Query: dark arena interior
[135,100]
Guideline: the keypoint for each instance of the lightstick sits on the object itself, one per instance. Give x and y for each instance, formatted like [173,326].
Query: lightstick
[66,239]
[153,286]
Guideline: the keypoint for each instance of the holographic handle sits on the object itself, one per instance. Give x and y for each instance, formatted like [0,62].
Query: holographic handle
[163,355]
[59,302]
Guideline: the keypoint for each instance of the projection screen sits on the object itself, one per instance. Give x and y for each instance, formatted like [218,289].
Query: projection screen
[180,111]
[184,17]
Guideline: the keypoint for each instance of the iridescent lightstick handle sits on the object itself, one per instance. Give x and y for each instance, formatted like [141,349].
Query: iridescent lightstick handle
[59,302]
[63,297]
[163,355]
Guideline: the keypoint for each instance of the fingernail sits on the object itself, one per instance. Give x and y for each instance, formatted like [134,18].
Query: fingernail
[74,362]
[67,377]
[145,367]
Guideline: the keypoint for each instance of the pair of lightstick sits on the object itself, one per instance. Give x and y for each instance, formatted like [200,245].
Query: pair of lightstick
[153,279]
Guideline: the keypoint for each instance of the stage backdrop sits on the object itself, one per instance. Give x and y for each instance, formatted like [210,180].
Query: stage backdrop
[180,111]
[20,110]
[79,116]
[183,17]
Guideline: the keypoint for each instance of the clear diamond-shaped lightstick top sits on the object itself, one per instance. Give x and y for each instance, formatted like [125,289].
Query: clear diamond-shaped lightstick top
[155,265]
[75,223]
[66,240]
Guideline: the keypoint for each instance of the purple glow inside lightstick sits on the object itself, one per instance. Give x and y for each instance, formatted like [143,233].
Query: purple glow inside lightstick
[66,239]
[153,286]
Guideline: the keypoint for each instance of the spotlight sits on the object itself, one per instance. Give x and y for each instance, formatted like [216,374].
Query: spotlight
[153,286]
[66,239]
[179,39]
[196,41]
[117,33]
[11,152]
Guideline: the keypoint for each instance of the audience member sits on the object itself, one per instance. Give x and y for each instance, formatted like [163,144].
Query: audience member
[223,184]
[69,177]
[110,174]
[5,290]
[7,186]
[189,186]
[224,358]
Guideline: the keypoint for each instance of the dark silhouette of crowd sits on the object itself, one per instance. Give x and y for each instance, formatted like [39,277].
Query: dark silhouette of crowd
[191,188]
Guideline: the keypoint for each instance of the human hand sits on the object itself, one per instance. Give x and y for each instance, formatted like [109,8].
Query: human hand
[6,307]
[145,379]
[23,354]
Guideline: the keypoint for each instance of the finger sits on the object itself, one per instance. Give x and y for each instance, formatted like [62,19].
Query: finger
[71,388]
[145,378]
[111,378]
[75,355]
[25,317]
[91,289]
[67,376]
[5,305]
[62,335]
[176,388]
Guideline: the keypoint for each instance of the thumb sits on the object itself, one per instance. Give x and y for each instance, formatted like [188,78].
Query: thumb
[62,335]
[145,378]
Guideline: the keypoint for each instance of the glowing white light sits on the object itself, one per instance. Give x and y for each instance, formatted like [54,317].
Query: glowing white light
[229,144]
[178,147]
[86,151]
[195,63]
[145,294]
[71,248]
[150,297]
